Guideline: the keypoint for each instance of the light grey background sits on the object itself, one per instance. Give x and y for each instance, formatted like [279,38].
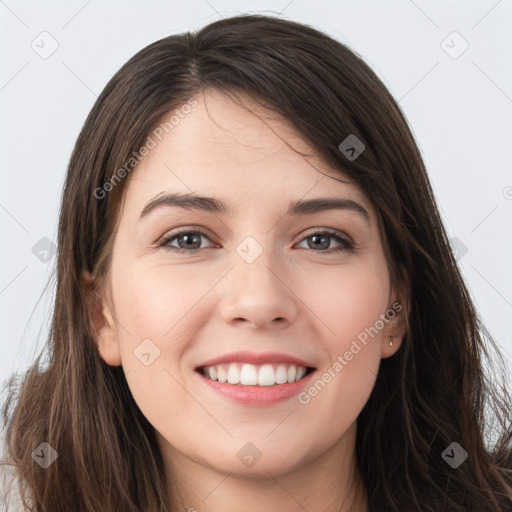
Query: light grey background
[458,103]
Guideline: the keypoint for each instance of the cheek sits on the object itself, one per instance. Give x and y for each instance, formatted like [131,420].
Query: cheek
[155,302]
[156,306]
[350,311]
[348,302]
[152,310]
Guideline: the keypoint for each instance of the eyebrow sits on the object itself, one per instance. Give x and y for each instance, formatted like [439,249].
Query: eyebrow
[213,205]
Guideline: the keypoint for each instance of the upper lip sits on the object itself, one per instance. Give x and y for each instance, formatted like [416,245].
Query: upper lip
[255,358]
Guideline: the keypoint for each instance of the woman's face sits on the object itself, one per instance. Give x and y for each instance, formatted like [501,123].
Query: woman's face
[263,289]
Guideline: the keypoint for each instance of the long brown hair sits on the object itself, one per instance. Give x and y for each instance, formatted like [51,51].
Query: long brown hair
[434,391]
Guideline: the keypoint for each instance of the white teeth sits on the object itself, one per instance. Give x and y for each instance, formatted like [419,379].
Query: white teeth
[247,374]
[266,376]
[222,375]
[281,375]
[233,374]
[292,372]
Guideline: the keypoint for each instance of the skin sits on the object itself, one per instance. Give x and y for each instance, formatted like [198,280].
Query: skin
[194,307]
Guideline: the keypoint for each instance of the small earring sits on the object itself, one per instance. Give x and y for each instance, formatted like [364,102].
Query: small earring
[391,343]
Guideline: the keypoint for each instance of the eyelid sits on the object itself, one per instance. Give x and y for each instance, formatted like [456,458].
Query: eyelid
[331,231]
[183,230]
[346,242]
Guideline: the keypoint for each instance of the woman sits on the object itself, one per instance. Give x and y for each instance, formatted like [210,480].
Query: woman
[257,306]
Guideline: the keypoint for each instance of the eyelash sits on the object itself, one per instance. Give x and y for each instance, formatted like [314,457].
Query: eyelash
[347,245]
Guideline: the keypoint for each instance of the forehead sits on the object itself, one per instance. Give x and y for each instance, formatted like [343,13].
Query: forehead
[245,156]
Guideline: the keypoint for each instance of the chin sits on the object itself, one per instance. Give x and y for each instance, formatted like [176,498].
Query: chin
[249,461]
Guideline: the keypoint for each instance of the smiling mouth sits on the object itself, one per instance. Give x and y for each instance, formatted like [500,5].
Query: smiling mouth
[246,374]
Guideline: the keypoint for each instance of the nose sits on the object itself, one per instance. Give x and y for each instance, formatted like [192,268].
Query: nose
[259,294]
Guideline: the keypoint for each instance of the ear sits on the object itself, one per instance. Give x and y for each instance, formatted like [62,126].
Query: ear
[395,325]
[102,321]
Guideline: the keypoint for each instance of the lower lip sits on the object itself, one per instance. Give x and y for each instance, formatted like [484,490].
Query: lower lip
[256,396]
